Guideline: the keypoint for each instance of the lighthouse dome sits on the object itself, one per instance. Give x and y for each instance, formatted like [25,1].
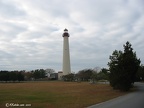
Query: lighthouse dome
[65,34]
[65,30]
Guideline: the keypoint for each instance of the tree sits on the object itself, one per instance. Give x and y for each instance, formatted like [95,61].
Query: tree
[94,76]
[69,77]
[28,75]
[123,67]
[49,71]
[38,73]
[85,74]
[20,76]
[42,73]
[97,69]
[103,74]
[4,76]
[13,76]
[140,73]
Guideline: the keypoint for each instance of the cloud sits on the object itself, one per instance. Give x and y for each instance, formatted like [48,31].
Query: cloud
[8,10]
[31,32]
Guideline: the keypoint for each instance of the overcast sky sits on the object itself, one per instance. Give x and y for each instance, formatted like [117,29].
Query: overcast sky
[31,32]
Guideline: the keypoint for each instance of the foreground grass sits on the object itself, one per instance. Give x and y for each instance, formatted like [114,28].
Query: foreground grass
[55,94]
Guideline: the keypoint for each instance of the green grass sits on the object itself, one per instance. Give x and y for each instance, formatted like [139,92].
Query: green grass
[55,94]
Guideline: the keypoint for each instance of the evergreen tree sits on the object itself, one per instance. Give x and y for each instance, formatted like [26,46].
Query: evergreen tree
[20,76]
[140,74]
[123,67]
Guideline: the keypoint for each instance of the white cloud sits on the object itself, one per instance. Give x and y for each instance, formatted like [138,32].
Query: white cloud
[31,31]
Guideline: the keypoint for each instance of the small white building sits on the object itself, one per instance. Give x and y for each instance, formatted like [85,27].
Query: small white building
[60,74]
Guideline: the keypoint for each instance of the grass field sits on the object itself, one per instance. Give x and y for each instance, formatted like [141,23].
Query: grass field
[55,94]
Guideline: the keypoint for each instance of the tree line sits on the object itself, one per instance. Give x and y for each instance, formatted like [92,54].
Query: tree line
[11,76]
[23,75]
[103,75]
[87,75]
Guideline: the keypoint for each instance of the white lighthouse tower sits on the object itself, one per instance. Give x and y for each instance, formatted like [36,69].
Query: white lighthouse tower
[66,53]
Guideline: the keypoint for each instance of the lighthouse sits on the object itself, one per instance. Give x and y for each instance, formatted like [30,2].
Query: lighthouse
[66,53]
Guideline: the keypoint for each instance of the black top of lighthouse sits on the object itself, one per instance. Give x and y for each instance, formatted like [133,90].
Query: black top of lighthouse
[65,34]
[66,30]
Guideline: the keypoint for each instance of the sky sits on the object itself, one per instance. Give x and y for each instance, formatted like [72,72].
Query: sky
[31,32]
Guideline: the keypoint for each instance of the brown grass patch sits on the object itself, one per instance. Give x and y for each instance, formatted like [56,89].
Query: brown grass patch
[56,94]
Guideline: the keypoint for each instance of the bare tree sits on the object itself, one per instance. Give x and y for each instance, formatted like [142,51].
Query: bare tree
[97,69]
[49,71]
